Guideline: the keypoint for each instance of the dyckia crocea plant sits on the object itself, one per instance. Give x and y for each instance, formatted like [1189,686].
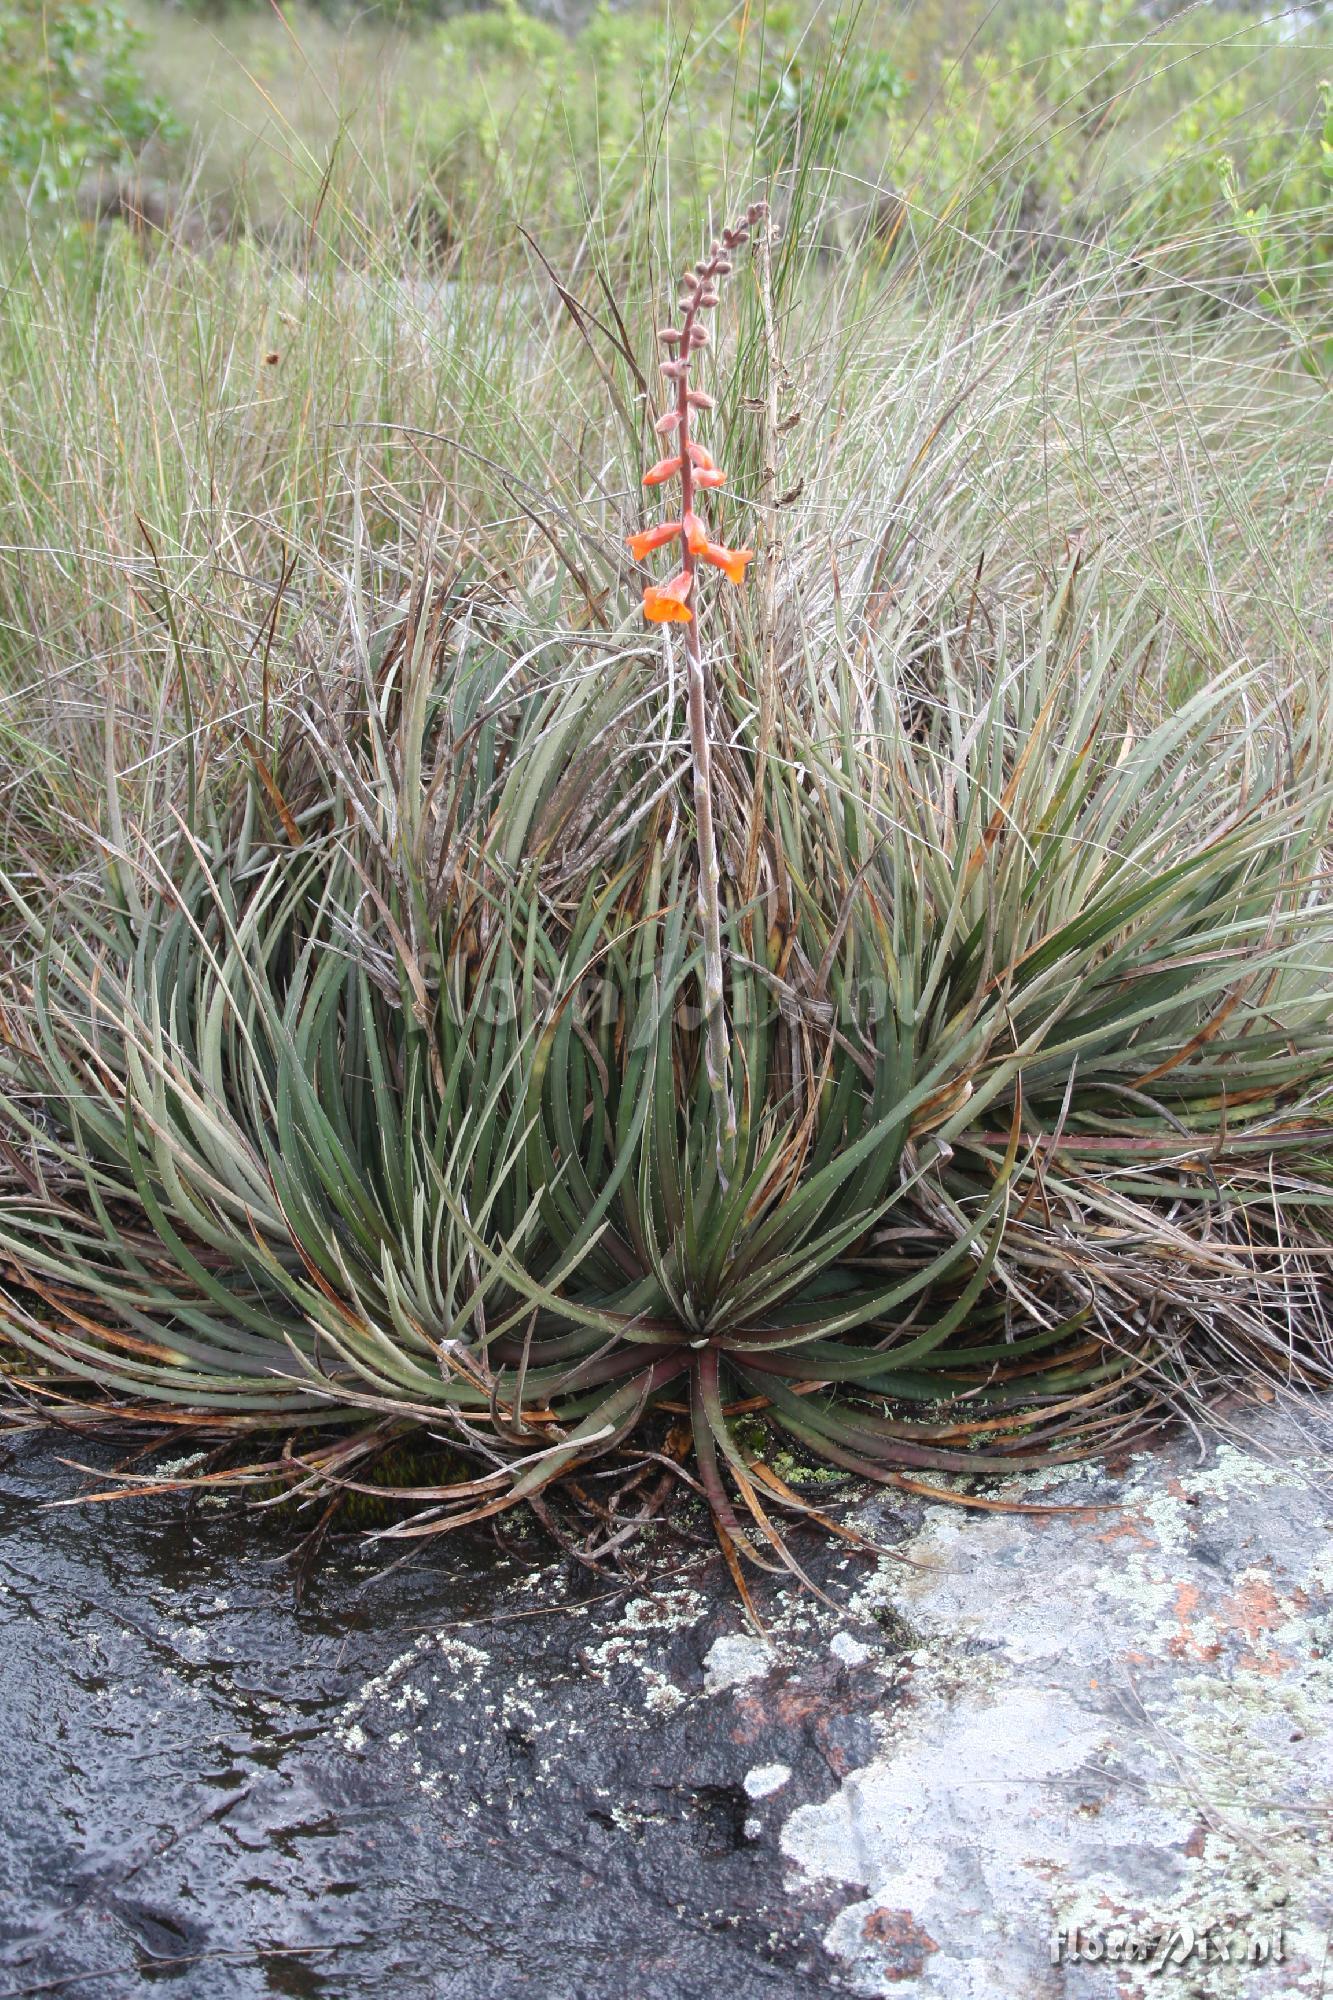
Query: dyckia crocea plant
[676,602]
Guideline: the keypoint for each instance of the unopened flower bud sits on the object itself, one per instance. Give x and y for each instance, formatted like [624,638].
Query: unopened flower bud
[670,336]
[667,423]
[675,371]
[723,266]
[699,399]
[698,338]
[708,298]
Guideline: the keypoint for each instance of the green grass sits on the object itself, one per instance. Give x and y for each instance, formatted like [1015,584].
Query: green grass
[339,769]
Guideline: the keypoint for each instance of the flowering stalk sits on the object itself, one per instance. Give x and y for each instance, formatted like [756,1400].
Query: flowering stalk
[675,603]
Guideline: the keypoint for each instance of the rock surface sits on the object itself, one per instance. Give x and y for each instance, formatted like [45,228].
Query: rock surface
[463,1779]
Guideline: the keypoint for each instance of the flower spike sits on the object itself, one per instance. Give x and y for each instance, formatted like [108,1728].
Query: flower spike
[669,603]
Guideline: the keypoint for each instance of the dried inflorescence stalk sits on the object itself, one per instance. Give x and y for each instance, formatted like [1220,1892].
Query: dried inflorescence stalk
[675,602]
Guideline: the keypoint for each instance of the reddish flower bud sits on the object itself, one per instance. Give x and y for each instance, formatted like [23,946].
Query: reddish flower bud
[670,336]
[699,399]
[710,478]
[666,423]
[664,469]
[698,335]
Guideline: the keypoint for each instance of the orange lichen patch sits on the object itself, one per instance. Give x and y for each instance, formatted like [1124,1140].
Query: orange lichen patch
[1271,1665]
[1186,1643]
[1187,1602]
[1255,1607]
[1126,1526]
[903,1942]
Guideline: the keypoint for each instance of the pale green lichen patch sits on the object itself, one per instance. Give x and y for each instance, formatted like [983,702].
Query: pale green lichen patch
[734,1658]
[1118,1715]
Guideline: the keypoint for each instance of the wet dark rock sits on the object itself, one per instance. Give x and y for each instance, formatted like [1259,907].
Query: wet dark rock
[478,1776]
[450,1780]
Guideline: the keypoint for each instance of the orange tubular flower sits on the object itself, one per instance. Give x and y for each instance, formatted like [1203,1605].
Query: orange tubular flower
[664,604]
[664,469]
[733,561]
[701,456]
[648,539]
[703,477]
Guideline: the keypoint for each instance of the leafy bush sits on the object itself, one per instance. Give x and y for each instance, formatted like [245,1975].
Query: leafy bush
[1091,125]
[817,89]
[527,122]
[71,93]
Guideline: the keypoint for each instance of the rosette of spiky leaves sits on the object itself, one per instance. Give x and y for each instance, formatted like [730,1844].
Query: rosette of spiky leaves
[255,1107]
[274,1195]
[411,1125]
[249,1180]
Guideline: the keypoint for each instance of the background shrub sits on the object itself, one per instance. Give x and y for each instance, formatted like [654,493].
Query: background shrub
[72,94]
